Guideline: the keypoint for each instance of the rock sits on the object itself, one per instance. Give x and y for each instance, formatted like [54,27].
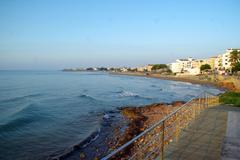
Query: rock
[82,156]
[177,103]
[228,85]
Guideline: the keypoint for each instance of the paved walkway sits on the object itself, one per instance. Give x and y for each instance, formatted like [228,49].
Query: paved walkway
[214,135]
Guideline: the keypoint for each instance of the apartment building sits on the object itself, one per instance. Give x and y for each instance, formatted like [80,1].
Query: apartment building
[188,66]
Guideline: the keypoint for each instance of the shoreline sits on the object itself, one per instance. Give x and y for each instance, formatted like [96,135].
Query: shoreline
[165,77]
[98,142]
[220,84]
[117,128]
[121,125]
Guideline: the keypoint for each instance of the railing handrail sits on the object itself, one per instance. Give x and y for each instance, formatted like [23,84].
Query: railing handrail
[153,126]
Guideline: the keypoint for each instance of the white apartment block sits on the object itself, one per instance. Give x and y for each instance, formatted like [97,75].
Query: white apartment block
[142,69]
[192,66]
[226,64]
[223,61]
[186,66]
[149,67]
[124,69]
[176,67]
[218,62]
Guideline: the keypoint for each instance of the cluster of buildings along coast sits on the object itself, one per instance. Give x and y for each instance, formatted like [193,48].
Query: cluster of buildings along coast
[220,64]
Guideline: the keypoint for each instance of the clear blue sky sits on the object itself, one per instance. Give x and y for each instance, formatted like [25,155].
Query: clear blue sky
[53,34]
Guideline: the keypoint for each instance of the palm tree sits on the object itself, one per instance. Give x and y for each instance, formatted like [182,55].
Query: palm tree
[234,58]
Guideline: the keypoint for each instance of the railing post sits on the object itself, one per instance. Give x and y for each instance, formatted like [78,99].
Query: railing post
[201,102]
[194,108]
[199,105]
[213,100]
[177,127]
[162,147]
[210,100]
[205,105]
[206,100]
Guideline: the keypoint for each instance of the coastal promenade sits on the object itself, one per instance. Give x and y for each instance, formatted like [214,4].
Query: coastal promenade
[213,135]
[201,129]
[153,141]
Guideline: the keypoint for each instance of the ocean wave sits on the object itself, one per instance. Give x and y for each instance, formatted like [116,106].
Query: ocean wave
[124,93]
[143,97]
[14,99]
[63,154]
[17,123]
[153,86]
[85,96]
[188,96]
[20,118]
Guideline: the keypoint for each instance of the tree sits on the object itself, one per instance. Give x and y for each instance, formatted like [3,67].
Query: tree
[236,68]
[205,67]
[89,69]
[234,57]
[159,66]
[235,60]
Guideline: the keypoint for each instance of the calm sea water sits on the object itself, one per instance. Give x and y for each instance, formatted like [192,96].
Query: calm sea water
[43,112]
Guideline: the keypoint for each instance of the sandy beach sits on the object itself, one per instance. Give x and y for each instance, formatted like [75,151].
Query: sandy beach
[223,82]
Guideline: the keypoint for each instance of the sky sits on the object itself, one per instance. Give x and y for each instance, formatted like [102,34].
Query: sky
[56,34]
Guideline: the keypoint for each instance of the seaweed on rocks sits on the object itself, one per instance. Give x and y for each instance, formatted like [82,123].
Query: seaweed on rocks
[117,128]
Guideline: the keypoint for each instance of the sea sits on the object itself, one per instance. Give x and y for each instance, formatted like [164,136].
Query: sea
[45,112]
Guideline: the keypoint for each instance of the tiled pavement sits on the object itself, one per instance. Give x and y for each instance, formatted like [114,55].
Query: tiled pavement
[214,135]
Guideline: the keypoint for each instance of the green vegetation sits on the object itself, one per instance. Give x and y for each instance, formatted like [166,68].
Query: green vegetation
[235,60]
[236,68]
[230,98]
[159,66]
[205,67]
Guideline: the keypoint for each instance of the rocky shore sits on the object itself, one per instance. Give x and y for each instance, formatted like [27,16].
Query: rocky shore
[117,128]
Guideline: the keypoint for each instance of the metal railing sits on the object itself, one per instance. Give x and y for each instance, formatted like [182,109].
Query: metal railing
[150,143]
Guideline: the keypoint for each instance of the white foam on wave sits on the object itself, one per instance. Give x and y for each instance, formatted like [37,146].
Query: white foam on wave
[132,94]
[127,94]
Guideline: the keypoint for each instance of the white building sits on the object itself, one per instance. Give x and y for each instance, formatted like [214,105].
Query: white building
[124,69]
[226,64]
[223,62]
[190,66]
[149,67]
[218,62]
[193,71]
[186,66]
[175,67]
[142,69]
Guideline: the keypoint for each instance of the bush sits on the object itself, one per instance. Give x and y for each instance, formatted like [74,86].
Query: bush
[205,67]
[230,98]
[236,68]
[159,66]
